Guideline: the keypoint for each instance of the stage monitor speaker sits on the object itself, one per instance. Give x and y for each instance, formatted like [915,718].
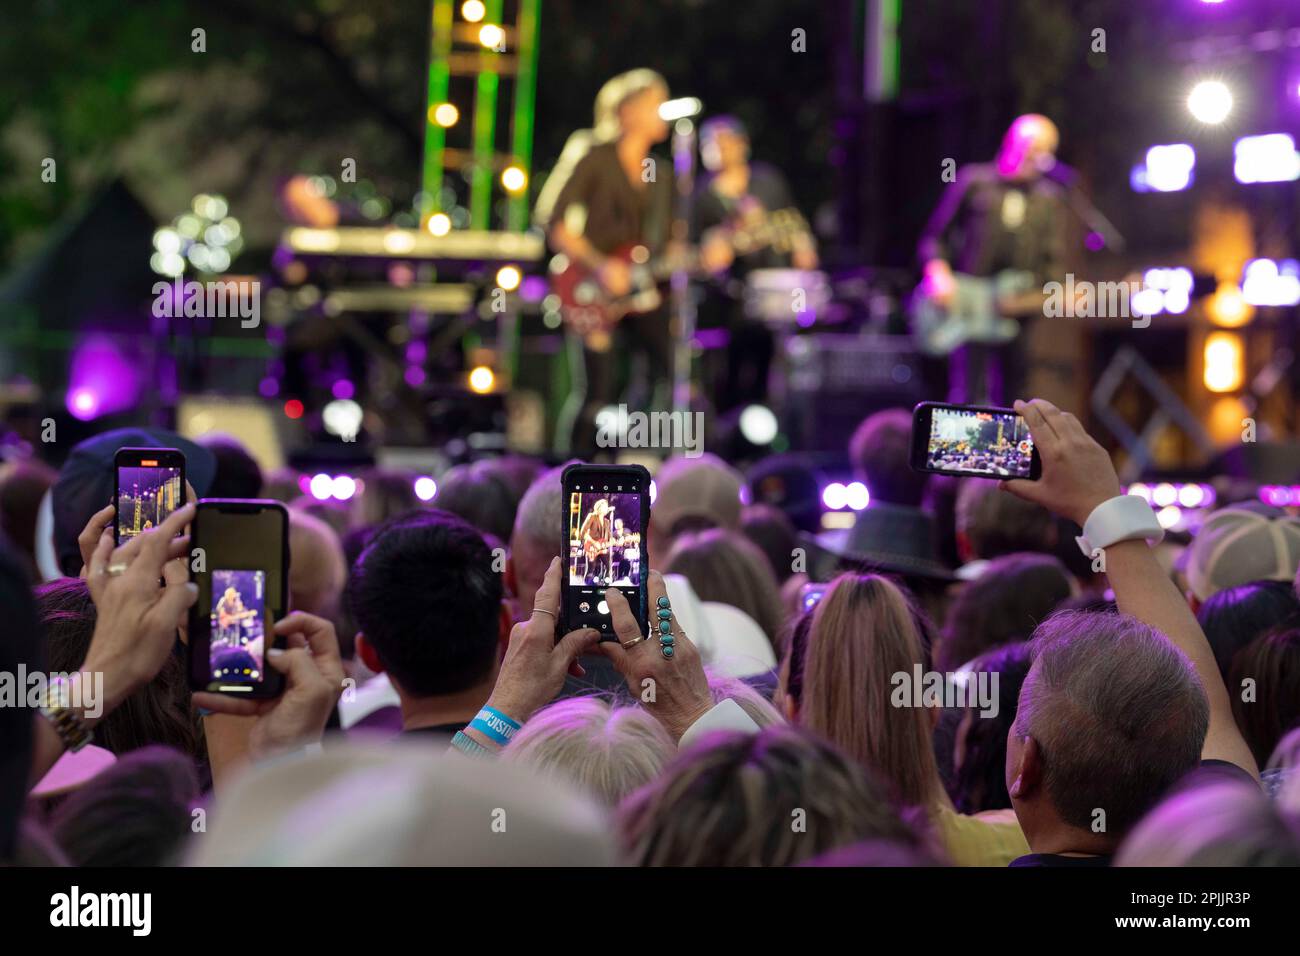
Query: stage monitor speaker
[833,381]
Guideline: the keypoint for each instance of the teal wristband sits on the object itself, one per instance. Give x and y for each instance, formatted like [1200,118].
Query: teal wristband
[494,725]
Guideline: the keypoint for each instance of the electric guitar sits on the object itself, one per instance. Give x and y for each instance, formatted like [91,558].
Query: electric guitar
[982,310]
[591,548]
[589,310]
[224,620]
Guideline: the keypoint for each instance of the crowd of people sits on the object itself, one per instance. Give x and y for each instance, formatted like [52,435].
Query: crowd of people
[1139,710]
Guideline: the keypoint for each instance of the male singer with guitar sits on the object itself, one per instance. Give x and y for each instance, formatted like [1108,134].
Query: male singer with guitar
[596,536]
[742,194]
[1003,223]
[617,195]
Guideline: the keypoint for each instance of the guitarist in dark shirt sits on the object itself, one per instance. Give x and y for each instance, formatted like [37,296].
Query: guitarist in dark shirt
[739,192]
[998,218]
[617,194]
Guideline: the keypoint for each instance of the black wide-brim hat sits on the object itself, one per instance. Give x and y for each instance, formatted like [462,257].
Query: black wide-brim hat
[891,538]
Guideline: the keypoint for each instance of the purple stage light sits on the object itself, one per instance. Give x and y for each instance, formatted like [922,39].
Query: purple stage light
[1169,168]
[414,376]
[269,387]
[1271,158]
[322,486]
[101,380]
[835,496]
[343,389]
[343,487]
[856,496]
[425,488]
[1265,282]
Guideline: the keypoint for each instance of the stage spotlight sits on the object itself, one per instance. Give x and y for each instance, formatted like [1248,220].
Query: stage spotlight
[835,496]
[758,425]
[439,224]
[1224,362]
[1169,517]
[1266,282]
[492,36]
[322,487]
[682,108]
[293,408]
[509,277]
[1210,101]
[1140,490]
[342,417]
[425,488]
[1164,494]
[1169,168]
[343,487]
[514,179]
[473,10]
[1191,496]
[1228,306]
[445,115]
[481,380]
[83,404]
[856,496]
[1271,158]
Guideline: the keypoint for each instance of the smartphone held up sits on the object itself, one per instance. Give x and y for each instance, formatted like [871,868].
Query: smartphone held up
[604,544]
[149,486]
[242,579]
[973,441]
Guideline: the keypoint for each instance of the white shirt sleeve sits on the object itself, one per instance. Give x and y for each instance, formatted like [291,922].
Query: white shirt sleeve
[727,715]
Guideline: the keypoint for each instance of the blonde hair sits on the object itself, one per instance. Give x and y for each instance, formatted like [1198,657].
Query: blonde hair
[760,710]
[608,751]
[727,567]
[862,633]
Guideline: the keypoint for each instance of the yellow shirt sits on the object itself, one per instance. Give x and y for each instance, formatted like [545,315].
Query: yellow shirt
[992,838]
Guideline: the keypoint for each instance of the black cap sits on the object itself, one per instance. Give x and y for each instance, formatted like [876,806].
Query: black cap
[85,483]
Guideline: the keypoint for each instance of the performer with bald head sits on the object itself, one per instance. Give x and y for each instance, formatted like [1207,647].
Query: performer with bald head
[1003,221]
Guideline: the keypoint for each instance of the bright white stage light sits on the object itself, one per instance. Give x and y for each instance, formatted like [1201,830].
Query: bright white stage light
[1210,101]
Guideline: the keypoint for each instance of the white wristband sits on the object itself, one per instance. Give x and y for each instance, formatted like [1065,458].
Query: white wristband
[1122,518]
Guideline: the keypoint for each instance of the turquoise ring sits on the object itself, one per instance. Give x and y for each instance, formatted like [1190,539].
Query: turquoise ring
[664,615]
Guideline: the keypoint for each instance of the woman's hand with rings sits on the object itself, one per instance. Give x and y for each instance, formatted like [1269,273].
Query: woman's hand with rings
[672,687]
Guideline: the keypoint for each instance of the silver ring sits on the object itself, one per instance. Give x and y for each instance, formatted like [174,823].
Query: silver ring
[544,611]
[635,640]
[113,570]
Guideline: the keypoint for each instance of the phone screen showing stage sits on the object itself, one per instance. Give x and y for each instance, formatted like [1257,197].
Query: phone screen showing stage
[604,549]
[979,442]
[237,642]
[147,494]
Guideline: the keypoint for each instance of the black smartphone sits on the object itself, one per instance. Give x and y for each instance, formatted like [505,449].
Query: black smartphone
[239,559]
[607,515]
[973,441]
[150,485]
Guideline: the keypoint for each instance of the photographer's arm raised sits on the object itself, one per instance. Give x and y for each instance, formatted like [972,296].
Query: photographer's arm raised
[1078,476]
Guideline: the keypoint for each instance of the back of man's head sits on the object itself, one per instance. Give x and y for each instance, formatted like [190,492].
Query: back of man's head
[993,522]
[1118,714]
[539,527]
[427,598]
[880,453]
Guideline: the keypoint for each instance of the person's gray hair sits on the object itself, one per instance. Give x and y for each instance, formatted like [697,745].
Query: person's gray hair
[604,750]
[540,517]
[1226,823]
[1118,713]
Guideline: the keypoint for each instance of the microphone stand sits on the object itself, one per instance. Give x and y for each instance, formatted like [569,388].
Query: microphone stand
[682,312]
